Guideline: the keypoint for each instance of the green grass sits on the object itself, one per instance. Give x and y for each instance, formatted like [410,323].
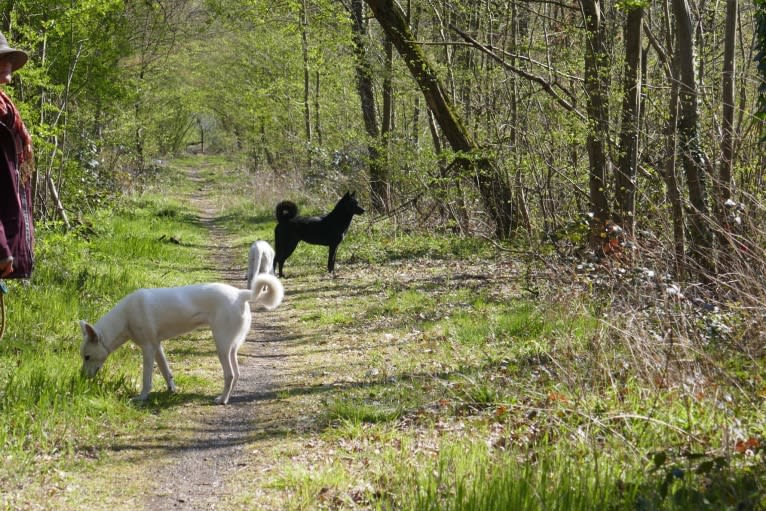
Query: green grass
[405,303]
[306,484]
[357,412]
[381,242]
[466,478]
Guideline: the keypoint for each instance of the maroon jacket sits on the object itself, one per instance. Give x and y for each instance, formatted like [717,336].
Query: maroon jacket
[16,227]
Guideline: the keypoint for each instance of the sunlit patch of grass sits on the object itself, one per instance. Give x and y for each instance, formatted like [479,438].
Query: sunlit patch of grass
[466,477]
[490,323]
[402,303]
[306,303]
[336,318]
[307,485]
[311,317]
[375,404]
[320,312]
[356,411]
[382,243]
[478,390]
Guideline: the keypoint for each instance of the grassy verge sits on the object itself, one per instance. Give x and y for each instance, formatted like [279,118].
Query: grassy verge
[52,419]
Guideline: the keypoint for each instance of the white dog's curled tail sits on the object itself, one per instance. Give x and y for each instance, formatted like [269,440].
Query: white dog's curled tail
[267,291]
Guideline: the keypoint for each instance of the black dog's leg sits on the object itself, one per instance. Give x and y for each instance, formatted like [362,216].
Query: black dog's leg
[283,252]
[331,258]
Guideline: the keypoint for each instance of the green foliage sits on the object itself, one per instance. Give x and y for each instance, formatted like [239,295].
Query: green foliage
[627,5]
[72,86]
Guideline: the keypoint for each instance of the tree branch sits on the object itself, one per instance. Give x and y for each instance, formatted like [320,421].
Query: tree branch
[545,84]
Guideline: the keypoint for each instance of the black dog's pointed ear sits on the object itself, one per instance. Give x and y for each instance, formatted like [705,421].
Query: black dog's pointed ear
[346,195]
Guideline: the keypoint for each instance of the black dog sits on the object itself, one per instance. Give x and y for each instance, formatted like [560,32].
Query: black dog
[327,230]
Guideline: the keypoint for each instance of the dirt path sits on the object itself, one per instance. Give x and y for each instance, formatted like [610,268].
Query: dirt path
[197,474]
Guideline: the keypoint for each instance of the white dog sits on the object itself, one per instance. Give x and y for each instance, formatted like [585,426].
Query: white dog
[148,316]
[259,260]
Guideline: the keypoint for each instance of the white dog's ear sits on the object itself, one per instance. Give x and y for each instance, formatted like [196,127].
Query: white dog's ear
[88,332]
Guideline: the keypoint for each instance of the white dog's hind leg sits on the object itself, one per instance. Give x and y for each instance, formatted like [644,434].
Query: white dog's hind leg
[162,363]
[148,351]
[229,380]
[234,366]
[229,332]
[228,371]
[229,360]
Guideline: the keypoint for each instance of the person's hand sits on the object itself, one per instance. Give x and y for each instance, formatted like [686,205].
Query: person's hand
[6,268]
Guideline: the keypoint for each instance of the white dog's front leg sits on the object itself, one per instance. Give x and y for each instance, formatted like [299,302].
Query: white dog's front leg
[162,363]
[148,351]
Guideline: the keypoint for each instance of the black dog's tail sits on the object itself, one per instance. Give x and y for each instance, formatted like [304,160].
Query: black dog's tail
[286,210]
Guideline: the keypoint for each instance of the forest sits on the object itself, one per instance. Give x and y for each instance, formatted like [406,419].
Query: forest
[543,124]
[562,254]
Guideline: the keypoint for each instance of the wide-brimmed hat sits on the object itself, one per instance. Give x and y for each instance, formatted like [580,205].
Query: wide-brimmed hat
[17,58]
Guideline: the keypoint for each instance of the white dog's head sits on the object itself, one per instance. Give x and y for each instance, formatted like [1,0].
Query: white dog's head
[93,351]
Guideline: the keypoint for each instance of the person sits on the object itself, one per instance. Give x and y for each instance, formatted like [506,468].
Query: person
[16,169]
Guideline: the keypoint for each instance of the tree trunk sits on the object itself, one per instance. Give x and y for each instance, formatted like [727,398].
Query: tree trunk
[671,179]
[596,75]
[378,180]
[57,202]
[317,118]
[201,138]
[495,192]
[694,161]
[520,209]
[461,217]
[383,189]
[723,185]
[625,178]
[413,20]
[304,22]
[727,142]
